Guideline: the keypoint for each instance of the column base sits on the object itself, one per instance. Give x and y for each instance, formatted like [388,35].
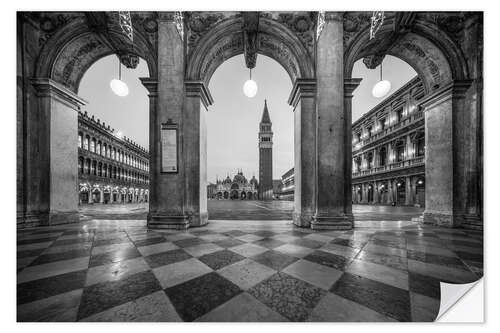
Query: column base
[198,220]
[39,219]
[158,221]
[342,222]
[445,220]
[472,221]
[302,220]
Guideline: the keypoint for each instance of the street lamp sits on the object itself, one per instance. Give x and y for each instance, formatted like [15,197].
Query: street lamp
[250,87]
[119,87]
[382,87]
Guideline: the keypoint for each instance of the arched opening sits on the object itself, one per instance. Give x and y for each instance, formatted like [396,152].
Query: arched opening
[235,116]
[117,129]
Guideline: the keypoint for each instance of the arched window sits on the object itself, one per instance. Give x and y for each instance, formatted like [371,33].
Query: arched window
[104,149]
[99,169]
[400,151]
[99,144]
[93,167]
[383,156]
[80,140]
[420,145]
[105,170]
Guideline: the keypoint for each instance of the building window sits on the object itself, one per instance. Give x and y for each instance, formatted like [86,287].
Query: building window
[400,151]
[86,143]
[382,124]
[420,145]
[80,165]
[87,166]
[99,145]
[369,160]
[358,136]
[104,150]
[383,156]
[80,140]
[399,114]
[99,169]
[369,131]
[92,145]
[93,168]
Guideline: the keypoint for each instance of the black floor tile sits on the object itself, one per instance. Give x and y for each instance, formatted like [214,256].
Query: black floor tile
[436,259]
[328,259]
[400,244]
[39,240]
[46,287]
[276,260]
[220,259]
[385,299]
[167,258]
[149,241]
[102,296]
[29,253]
[470,256]
[264,233]
[116,256]
[291,297]
[79,240]
[349,243]
[51,257]
[425,285]
[230,242]
[198,296]
[235,233]
[309,243]
[269,243]
[189,242]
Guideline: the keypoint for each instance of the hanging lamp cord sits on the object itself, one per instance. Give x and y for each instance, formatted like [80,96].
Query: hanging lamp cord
[119,69]
[380,71]
[250,73]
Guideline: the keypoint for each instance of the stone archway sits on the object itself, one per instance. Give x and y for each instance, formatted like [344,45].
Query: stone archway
[313,60]
[435,44]
[66,46]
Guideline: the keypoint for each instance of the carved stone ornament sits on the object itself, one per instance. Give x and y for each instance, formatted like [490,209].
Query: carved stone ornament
[198,24]
[377,21]
[320,23]
[129,60]
[126,24]
[179,23]
[373,61]
[302,25]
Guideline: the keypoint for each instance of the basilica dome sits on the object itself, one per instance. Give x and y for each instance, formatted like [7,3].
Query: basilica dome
[239,178]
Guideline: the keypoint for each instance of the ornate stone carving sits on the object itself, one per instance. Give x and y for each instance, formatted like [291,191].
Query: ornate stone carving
[231,45]
[129,60]
[373,61]
[303,25]
[250,41]
[353,23]
[198,24]
[49,23]
[280,53]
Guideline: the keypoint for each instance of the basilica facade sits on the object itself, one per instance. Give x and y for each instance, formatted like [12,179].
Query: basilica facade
[238,188]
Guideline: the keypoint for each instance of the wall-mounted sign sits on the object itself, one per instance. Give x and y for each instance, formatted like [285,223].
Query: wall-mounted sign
[169,162]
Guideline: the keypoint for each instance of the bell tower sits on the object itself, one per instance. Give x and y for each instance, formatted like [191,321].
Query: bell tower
[265,156]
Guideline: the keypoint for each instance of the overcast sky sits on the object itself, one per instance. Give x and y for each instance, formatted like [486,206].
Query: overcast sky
[233,119]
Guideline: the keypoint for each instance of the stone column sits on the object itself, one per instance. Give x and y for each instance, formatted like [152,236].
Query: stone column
[390,192]
[303,100]
[408,192]
[447,164]
[167,207]
[375,192]
[54,198]
[101,196]
[195,151]
[333,139]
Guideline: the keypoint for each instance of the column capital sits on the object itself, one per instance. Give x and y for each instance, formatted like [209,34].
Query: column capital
[46,87]
[334,16]
[454,90]
[302,88]
[166,16]
[199,89]
[151,85]
[350,85]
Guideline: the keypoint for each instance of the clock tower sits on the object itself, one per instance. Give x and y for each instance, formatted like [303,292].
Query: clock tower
[265,156]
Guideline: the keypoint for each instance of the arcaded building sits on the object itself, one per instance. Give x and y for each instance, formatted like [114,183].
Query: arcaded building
[111,169]
[388,150]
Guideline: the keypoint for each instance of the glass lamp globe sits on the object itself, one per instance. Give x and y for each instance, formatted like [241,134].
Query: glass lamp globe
[381,88]
[119,87]
[250,88]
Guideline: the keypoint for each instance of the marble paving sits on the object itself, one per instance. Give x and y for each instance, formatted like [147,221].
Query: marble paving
[265,271]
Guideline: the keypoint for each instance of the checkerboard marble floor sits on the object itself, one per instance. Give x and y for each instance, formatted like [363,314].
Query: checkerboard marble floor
[257,271]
